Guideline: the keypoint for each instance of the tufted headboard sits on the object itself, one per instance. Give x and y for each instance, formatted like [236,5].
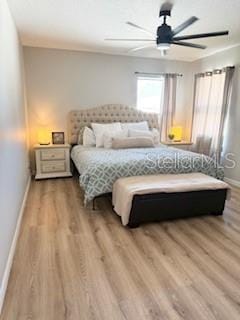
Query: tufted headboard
[105,114]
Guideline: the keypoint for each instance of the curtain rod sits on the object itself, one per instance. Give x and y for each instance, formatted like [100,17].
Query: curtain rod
[158,74]
[215,71]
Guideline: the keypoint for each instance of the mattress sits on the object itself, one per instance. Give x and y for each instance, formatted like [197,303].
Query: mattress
[99,168]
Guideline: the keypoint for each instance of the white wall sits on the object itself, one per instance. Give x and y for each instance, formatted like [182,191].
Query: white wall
[60,80]
[229,57]
[13,149]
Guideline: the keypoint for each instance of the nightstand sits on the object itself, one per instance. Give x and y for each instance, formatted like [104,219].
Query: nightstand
[185,145]
[52,161]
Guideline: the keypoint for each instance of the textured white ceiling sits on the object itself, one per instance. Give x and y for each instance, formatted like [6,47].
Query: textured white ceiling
[83,24]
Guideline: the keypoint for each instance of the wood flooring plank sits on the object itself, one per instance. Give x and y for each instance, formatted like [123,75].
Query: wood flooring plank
[75,263]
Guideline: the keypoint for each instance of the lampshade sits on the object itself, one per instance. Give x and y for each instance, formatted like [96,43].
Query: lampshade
[43,136]
[177,132]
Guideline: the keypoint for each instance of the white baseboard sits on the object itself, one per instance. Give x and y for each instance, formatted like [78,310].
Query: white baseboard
[6,274]
[235,183]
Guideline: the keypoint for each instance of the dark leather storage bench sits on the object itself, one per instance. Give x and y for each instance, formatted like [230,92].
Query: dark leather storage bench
[167,206]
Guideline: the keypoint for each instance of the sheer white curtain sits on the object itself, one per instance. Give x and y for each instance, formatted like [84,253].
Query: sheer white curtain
[169,105]
[211,99]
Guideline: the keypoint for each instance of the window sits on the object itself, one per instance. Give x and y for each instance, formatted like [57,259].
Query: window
[150,93]
[211,102]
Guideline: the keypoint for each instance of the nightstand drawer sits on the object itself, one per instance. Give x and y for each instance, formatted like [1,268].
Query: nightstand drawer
[53,154]
[53,166]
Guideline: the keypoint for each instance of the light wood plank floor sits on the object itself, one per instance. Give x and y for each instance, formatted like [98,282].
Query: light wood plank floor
[75,263]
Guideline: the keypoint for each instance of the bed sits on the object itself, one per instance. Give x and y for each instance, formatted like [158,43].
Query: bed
[99,168]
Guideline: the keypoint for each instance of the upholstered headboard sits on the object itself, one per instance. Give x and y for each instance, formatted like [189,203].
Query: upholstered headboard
[105,114]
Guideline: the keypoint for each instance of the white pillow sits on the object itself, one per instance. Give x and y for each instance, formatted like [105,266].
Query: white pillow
[80,135]
[154,134]
[136,125]
[99,129]
[108,137]
[89,139]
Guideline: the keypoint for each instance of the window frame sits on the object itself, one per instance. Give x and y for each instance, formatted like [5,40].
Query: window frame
[159,78]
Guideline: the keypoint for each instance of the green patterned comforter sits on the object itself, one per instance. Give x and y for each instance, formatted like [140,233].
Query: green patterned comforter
[99,168]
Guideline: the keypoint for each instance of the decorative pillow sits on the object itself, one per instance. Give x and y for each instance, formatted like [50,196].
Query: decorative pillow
[108,137]
[136,125]
[154,134]
[130,142]
[80,135]
[89,139]
[99,129]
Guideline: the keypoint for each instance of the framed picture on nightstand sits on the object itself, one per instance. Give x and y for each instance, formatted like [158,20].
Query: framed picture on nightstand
[58,138]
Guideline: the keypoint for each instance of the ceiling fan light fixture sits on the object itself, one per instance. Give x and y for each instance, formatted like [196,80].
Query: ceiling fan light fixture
[163,46]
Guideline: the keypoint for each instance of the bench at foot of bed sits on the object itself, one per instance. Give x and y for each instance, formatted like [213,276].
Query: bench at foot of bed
[165,197]
[169,206]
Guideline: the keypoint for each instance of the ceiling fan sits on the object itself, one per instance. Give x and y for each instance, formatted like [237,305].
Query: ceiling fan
[166,36]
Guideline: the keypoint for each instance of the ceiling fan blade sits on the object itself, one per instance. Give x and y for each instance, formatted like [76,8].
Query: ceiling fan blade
[187,44]
[184,25]
[140,48]
[140,28]
[202,35]
[142,40]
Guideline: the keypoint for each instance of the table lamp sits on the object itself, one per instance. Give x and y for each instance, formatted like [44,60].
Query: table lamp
[177,132]
[43,136]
